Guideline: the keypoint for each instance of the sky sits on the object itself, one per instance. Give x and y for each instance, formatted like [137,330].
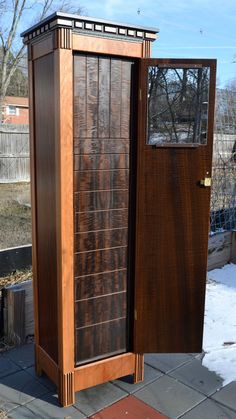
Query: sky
[188,28]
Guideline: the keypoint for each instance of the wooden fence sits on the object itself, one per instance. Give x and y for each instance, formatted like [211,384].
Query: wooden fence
[221,249]
[14,153]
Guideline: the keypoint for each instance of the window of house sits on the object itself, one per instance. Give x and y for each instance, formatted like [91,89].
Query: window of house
[12,110]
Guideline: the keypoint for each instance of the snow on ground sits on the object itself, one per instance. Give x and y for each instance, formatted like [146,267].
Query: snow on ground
[219,340]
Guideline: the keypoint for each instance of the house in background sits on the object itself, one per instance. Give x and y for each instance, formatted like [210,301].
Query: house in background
[16,110]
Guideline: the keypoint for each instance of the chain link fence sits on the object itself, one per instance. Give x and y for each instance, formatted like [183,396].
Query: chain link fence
[223,197]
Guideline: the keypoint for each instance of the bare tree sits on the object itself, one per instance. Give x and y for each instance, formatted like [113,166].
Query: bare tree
[177,105]
[12,51]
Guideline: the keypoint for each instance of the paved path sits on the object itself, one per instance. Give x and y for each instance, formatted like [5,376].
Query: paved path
[175,386]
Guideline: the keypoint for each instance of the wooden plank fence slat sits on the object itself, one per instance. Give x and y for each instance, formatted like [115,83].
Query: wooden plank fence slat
[18,311]
[219,250]
[14,154]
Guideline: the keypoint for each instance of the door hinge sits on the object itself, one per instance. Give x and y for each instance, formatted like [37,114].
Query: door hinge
[140,94]
[135,315]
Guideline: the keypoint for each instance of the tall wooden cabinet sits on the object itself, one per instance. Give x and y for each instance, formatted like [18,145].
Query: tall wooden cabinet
[120,220]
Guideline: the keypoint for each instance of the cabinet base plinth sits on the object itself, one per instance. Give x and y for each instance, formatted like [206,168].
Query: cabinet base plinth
[66,393]
[139,368]
[89,375]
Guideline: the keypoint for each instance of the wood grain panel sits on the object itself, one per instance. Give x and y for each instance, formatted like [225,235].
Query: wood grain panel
[101,161]
[80,98]
[43,47]
[101,200]
[103,339]
[100,220]
[115,95]
[172,237]
[45,167]
[101,239]
[105,370]
[125,99]
[92,97]
[99,284]
[100,309]
[100,45]
[178,276]
[97,180]
[100,261]
[104,98]
[106,146]
[63,60]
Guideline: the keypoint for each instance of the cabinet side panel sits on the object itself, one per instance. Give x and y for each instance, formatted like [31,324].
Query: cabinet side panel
[46,203]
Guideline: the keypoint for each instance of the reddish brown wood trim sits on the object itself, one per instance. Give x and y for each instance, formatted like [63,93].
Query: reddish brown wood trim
[139,368]
[102,371]
[64,196]
[106,46]
[146,49]
[42,47]
[66,394]
[47,364]
[62,38]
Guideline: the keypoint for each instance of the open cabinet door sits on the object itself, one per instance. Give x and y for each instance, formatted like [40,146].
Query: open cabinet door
[175,136]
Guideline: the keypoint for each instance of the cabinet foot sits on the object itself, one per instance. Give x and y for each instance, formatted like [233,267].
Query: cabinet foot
[66,394]
[139,368]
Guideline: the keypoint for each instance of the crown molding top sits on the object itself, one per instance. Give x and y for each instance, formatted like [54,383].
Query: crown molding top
[90,26]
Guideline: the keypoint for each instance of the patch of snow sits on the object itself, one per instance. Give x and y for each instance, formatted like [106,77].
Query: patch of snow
[219,339]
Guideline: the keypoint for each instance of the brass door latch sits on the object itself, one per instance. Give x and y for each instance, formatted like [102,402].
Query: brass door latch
[205,182]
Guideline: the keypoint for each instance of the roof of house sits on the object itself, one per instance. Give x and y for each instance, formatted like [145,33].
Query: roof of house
[17,101]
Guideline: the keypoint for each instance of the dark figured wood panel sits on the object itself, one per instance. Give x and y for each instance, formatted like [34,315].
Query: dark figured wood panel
[100,284]
[103,146]
[100,220]
[46,203]
[97,200]
[101,239]
[104,98]
[101,161]
[92,97]
[115,97]
[125,99]
[100,260]
[80,107]
[101,202]
[172,239]
[100,309]
[101,340]
[101,179]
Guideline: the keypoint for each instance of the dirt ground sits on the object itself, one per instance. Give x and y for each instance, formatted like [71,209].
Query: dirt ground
[15,215]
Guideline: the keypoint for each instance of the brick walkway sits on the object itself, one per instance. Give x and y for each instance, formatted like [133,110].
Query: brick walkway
[175,386]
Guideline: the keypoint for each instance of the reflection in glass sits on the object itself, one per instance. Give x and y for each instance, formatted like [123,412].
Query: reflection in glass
[177,105]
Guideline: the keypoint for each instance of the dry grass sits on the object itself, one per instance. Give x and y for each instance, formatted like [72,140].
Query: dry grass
[4,415]
[15,215]
[15,278]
